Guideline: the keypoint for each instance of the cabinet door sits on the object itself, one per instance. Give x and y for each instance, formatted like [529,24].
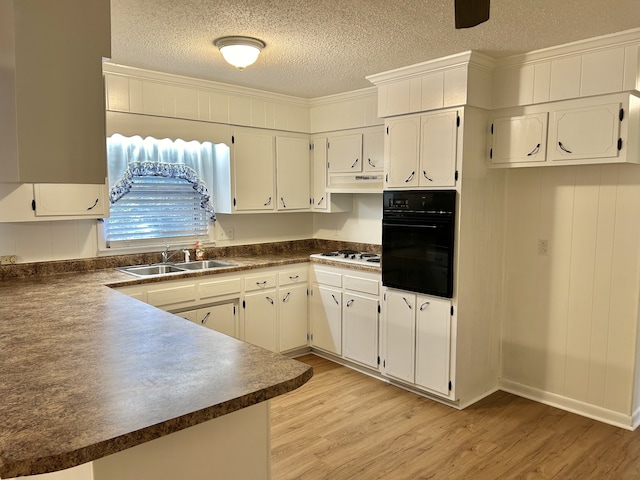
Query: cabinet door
[438,147]
[293,317]
[373,152]
[399,333]
[433,340]
[254,171]
[222,318]
[54,199]
[401,152]
[519,139]
[360,318]
[345,153]
[191,315]
[292,173]
[585,132]
[260,318]
[325,315]
[319,196]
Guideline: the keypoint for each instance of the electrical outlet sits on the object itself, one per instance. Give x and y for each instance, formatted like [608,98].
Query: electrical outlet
[8,260]
[543,247]
[225,234]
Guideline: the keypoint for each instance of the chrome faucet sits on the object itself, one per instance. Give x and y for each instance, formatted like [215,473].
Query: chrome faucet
[166,256]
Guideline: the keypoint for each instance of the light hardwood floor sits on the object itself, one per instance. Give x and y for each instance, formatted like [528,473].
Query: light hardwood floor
[345,425]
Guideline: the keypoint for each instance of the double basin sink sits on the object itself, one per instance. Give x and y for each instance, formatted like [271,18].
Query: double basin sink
[168,268]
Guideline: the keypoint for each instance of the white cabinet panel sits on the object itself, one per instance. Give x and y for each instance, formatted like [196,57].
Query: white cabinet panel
[292,173]
[345,153]
[439,137]
[292,317]
[373,151]
[164,295]
[399,335]
[585,132]
[260,319]
[325,315]
[72,200]
[254,171]
[222,318]
[262,281]
[520,138]
[565,78]
[360,319]
[402,148]
[433,340]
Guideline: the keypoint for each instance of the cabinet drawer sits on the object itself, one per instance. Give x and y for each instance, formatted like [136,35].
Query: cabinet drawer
[52,199]
[364,285]
[172,295]
[292,277]
[260,282]
[217,288]
[328,278]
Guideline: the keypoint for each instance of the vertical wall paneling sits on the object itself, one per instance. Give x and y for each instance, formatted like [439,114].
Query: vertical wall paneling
[455,86]
[239,110]
[631,76]
[565,78]
[541,82]
[117,93]
[136,96]
[186,103]
[219,106]
[415,95]
[602,72]
[432,88]
[258,113]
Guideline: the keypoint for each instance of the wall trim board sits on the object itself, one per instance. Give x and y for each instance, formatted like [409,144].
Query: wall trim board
[344,96]
[580,47]
[179,80]
[594,412]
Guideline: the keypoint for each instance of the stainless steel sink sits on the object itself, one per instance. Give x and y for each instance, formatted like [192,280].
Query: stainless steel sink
[147,270]
[203,264]
[169,268]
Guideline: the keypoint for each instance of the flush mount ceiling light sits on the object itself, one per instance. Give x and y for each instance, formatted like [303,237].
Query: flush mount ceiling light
[239,51]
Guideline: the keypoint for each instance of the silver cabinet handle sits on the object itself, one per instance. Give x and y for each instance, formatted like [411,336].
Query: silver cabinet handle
[563,148]
[206,317]
[335,299]
[423,306]
[424,174]
[355,163]
[410,177]
[286,297]
[268,202]
[407,302]
[261,283]
[535,150]
[270,300]
[350,302]
[94,205]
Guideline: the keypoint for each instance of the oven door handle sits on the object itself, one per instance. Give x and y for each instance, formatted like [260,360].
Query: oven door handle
[409,225]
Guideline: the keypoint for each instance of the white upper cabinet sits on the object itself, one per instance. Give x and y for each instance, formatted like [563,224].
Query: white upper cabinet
[520,138]
[254,171]
[52,91]
[292,173]
[345,153]
[321,199]
[421,150]
[373,151]
[439,137]
[585,132]
[601,129]
[78,200]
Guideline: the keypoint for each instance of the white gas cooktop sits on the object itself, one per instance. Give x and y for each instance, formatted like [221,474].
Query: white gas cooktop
[351,256]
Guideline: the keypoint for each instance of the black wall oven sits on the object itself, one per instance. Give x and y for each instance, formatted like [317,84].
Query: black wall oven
[418,228]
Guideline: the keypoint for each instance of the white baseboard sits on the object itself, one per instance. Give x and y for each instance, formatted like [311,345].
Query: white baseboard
[604,415]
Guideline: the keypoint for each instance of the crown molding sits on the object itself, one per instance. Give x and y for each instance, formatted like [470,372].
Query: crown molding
[362,93]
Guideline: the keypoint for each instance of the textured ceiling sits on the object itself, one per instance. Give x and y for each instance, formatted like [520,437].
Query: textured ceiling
[321,47]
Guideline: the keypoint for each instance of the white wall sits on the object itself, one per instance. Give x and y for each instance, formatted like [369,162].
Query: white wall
[363,224]
[44,241]
[571,316]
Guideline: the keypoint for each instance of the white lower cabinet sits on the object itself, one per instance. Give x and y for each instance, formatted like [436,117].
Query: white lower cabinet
[325,316]
[344,313]
[222,318]
[260,319]
[417,340]
[293,325]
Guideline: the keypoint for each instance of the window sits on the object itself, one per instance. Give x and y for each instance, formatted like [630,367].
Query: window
[158,192]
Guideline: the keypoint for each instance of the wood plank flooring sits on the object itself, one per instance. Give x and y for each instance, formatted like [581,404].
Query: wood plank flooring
[345,425]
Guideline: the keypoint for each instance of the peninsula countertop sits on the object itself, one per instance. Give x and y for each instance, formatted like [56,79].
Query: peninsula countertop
[88,371]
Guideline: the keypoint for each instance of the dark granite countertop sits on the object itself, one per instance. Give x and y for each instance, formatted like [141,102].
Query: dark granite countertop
[88,371]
